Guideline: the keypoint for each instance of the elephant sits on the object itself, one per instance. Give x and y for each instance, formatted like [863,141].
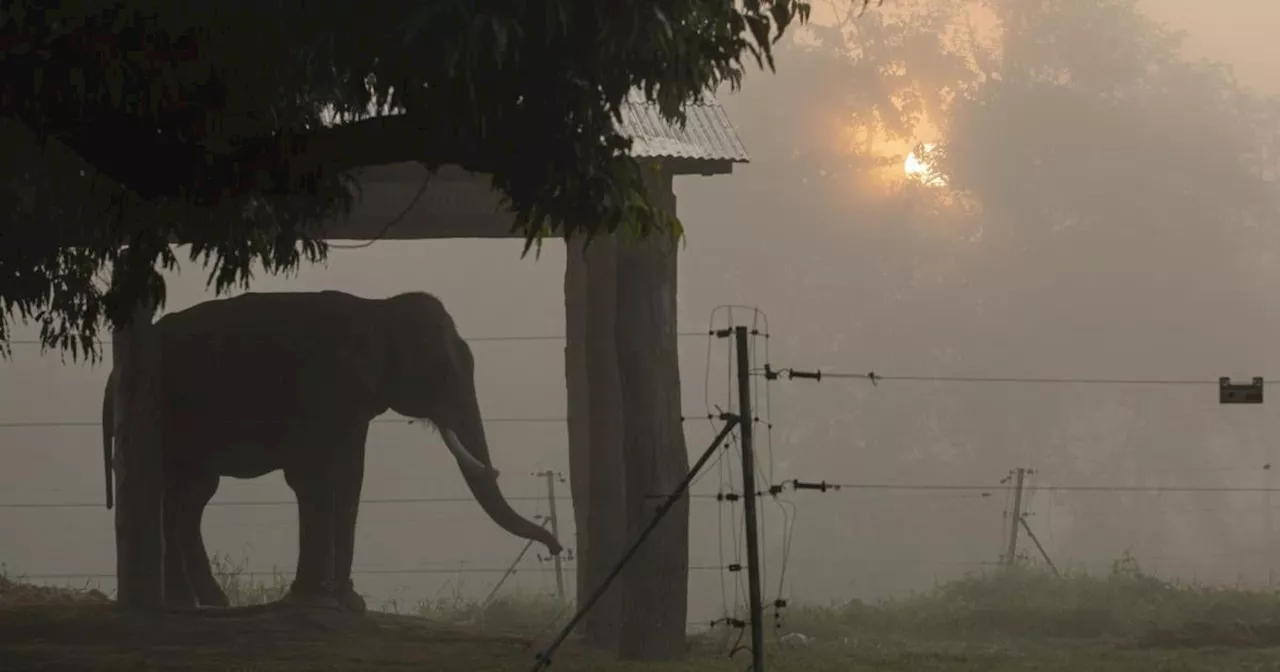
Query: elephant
[290,381]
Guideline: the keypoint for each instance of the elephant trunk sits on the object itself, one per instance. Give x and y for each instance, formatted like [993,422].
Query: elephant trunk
[470,447]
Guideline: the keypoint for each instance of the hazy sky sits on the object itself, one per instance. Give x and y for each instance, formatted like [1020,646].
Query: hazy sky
[1239,32]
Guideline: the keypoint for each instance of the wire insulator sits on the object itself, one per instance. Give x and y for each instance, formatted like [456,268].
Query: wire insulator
[821,486]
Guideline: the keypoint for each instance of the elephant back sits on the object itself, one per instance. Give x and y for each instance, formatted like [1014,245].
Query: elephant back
[263,353]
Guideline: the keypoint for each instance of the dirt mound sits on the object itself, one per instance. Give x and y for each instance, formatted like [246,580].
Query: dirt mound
[88,637]
[16,592]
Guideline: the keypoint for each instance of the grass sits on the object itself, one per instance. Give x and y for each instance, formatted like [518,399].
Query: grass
[1125,604]
[1005,621]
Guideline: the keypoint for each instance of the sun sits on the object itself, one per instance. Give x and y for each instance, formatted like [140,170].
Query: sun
[917,168]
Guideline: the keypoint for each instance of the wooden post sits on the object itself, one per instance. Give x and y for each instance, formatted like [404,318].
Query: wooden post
[139,479]
[578,405]
[746,422]
[553,518]
[1268,527]
[655,590]
[596,469]
[1011,556]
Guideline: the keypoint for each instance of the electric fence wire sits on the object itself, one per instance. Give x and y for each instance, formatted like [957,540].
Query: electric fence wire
[762,415]
[759,411]
[989,489]
[759,523]
[526,566]
[470,339]
[874,378]
[727,480]
[390,420]
[763,406]
[706,400]
[398,501]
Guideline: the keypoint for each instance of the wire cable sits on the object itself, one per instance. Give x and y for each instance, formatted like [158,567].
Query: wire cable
[470,339]
[408,571]
[41,424]
[988,489]
[394,501]
[719,461]
[1033,380]
[386,228]
[36,424]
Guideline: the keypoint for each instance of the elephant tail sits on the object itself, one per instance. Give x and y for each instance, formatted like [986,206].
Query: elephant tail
[108,422]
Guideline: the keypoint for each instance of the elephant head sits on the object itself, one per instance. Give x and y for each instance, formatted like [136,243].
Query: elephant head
[428,373]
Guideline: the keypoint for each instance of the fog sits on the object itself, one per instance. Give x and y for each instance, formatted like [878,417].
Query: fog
[1105,211]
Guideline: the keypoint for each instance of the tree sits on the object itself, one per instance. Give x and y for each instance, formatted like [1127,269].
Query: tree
[1150,156]
[208,123]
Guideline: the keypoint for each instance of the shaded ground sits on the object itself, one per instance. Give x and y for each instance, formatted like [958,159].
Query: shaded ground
[1013,622]
[93,637]
[99,638]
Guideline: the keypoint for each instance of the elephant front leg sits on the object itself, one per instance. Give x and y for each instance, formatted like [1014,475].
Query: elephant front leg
[312,583]
[348,486]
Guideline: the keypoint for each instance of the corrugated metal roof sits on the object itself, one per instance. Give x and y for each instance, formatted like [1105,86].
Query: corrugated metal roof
[708,134]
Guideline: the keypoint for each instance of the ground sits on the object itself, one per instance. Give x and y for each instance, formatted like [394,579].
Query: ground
[1018,622]
[99,638]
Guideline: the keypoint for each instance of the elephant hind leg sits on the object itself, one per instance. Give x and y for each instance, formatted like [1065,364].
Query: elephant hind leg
[208,591]
[178,593]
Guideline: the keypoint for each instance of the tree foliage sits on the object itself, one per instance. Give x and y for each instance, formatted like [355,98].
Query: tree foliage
[1103,215]
[205,122]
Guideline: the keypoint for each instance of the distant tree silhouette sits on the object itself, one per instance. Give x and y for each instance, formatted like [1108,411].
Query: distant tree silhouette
[1102,216]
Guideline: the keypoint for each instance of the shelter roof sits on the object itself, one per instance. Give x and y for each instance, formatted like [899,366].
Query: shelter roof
[708,144]
[708,134]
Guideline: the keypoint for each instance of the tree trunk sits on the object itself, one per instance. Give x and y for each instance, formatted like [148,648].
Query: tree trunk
[656,581]
[578,404]
[602,513]
[139,479]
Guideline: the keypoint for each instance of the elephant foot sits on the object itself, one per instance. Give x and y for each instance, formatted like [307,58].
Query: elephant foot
[172,604]
[312,597]
[211,595]
[340,597]
[214,600]
[347,596]
[179,598]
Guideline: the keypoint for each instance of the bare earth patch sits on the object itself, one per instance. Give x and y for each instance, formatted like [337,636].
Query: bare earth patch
[100,637]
